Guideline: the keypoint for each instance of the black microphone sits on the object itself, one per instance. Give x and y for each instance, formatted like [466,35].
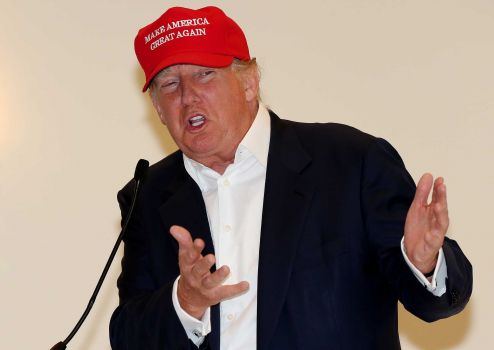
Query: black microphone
[139,175]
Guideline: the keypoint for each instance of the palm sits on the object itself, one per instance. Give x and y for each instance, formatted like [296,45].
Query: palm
[426,223]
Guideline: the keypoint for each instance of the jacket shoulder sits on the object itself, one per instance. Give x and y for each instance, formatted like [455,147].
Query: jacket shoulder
[161,173]
[319,136]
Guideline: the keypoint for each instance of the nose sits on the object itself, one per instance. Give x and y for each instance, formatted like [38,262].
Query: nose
[190,94]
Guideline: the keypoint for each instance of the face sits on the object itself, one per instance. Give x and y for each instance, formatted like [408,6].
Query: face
[207,110]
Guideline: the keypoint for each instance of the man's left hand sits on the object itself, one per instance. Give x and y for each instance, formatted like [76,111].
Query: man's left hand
[426,223]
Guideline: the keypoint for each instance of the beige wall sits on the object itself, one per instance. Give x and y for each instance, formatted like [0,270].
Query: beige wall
[73,122]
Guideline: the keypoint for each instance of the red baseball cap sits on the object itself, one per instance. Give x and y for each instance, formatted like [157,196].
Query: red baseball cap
[206,37]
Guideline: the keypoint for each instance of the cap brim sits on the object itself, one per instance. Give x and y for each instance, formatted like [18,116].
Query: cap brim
[197,58]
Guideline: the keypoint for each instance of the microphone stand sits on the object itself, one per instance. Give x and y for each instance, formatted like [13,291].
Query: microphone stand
[140,172]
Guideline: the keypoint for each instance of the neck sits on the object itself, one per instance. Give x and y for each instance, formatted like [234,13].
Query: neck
[220,167]
[220,162]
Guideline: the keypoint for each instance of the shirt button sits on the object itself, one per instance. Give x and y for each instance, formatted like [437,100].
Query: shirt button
[228,228]
[197,333]
[226,183]
[229,317]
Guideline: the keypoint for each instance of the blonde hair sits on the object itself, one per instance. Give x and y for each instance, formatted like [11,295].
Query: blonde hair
[244,67]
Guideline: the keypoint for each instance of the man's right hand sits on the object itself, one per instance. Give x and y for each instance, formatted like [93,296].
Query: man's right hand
[198,288]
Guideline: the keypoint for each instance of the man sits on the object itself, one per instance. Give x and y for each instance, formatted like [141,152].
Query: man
[283,235]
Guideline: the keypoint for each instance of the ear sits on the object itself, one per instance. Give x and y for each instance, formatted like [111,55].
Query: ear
[251,84]
[157,106]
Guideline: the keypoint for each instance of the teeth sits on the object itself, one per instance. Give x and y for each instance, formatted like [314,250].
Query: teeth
[197,120]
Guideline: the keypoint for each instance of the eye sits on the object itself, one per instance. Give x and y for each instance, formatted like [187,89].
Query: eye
[168,84]
[206,74]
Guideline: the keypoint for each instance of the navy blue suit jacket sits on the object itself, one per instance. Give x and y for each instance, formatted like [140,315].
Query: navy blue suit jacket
[330,267]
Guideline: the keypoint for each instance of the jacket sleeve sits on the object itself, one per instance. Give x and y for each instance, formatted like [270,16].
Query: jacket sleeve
[145,317]
[387,191]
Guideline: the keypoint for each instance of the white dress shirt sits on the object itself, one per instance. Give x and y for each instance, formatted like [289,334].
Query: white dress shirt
[234,203]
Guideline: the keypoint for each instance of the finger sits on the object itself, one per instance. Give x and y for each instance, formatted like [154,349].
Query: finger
[423,189]
[437,184]
[199,245]
[203,266]
[440,205]
[442,217]
[181,235]
[439,192]
[187,252]
[216,278]
[232,290]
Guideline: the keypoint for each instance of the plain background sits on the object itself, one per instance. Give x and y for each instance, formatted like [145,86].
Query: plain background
[73,123]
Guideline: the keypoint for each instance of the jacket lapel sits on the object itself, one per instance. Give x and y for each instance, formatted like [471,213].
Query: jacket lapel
[184,206]
[286,201]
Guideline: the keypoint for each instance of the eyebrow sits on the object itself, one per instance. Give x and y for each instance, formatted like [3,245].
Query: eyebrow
[163,72]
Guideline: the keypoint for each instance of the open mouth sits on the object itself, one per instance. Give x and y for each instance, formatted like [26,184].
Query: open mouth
[197,121]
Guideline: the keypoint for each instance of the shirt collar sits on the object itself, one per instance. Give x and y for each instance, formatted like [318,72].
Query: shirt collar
[256,141]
